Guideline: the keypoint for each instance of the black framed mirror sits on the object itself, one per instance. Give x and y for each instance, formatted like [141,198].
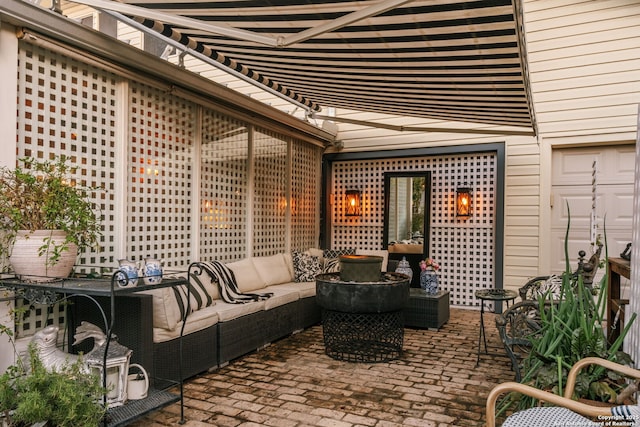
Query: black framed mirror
[406,216]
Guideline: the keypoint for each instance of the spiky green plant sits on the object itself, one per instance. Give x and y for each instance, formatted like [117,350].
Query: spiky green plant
[572,329]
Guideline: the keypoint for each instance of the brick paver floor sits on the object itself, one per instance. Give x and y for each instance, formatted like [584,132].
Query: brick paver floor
[292,383]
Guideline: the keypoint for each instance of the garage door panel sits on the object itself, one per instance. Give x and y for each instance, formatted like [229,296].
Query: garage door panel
[574,166]
[620,167]
[617,206]
[613,201]
[577,243]
[572,184]
[617,242]
[615,165]
[569,200]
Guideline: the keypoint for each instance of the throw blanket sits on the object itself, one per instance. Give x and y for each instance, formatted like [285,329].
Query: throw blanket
[227,285]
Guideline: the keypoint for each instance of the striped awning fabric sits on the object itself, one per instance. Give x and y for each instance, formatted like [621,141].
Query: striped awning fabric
[458,60]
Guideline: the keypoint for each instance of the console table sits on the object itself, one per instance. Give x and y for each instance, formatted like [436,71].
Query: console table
[92,288]
[618,267]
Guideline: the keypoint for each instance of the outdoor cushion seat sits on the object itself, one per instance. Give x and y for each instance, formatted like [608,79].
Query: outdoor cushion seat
[197,321]
[304,289]
[565,411]
[281,296]
[548,416]
[228,311]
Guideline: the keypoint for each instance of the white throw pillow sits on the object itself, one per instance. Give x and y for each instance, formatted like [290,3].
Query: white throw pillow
[206,290]
[272,269]
[246,275]
[169,305]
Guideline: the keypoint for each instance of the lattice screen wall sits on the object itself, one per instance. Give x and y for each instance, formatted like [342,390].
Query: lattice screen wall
[465,249]
[223,190]
[68,108]
[160,155]
[270,201]
[306,179]
[165,145]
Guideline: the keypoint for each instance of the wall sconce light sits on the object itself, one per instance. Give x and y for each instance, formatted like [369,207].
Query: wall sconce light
[352,207]
[463,202]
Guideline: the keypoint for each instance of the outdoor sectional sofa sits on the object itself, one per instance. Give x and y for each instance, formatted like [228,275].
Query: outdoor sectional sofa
[216,332]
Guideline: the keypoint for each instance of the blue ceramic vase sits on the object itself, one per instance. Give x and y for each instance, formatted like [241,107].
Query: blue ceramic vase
[429,281]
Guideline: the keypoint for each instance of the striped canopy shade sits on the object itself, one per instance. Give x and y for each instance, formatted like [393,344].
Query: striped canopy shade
[455,60]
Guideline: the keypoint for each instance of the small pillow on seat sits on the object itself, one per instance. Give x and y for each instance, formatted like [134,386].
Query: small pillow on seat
[306,266]
[246,275]
[272,269]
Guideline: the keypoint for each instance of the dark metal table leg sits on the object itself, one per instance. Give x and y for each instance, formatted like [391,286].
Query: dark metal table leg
[482,335]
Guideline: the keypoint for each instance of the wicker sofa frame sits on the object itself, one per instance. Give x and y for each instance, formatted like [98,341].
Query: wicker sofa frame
[202,350]
[205,349]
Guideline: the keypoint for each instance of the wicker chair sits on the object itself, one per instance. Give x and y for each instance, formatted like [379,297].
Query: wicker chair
[564,411]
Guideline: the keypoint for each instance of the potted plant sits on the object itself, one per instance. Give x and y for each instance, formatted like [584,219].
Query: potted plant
[45,214]
[571,328]
[69,396]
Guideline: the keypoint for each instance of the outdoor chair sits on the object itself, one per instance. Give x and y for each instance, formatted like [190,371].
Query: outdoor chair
[564,410]
[520,322]
[516,326]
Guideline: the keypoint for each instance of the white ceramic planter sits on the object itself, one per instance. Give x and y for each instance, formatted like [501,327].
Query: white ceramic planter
[28,265]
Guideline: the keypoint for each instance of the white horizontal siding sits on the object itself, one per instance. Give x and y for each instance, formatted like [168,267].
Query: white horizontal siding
[584,58]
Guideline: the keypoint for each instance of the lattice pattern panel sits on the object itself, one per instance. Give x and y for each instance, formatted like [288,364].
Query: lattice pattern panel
[37,316]
[223,188]
[270,193]
[464,248]
[66,107]
[306,179]
[160,174]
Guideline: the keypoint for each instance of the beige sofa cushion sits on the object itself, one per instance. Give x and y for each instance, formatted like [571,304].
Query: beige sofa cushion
[281,295]
[304,289]
[246,275]
[169,304]
[273,269]
[288,258]
[227,311]
[196,321]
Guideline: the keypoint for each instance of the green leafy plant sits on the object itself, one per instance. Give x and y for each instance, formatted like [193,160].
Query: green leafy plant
[572,329]
[30,393]
[42,195]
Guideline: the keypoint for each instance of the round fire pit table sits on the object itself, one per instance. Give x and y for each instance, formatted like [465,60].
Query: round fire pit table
[362,321]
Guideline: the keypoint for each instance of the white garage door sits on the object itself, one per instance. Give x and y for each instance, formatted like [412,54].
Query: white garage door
[571,185]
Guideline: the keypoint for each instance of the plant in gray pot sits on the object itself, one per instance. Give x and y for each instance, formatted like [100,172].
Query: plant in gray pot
[46,218]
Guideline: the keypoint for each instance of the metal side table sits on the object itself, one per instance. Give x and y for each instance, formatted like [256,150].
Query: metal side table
[490,295]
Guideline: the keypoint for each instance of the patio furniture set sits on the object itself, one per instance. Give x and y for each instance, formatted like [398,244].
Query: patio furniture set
[217,331]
